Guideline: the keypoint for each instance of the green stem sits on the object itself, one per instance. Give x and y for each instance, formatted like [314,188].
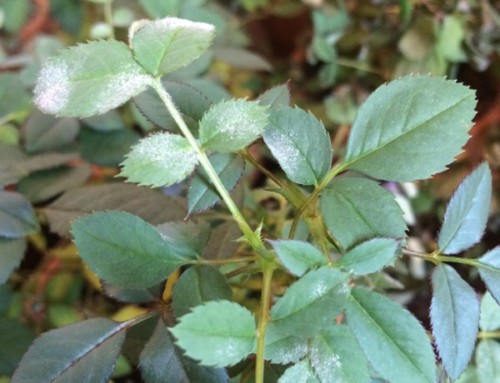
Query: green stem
[488,335]
[261,168]
[436,258]
[223,261]
[268,269]
[252,237]
[108,17]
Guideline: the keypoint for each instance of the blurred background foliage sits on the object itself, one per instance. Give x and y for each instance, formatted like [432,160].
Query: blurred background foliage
[331,54]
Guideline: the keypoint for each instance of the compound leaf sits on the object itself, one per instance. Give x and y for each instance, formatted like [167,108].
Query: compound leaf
[311,303]
[161,159]
[124,250]
[467,213]
[298,256]
[231,125]
[489,270]
[89,79]
[455,319]
[218,333]
[197,285]
[11,254]
[399,131]
[351,215]
[404,352]
[85,350]
[162,46]
[17,217]
[300,143]
[160,361]
[336,356]
[202,194]
[370,256]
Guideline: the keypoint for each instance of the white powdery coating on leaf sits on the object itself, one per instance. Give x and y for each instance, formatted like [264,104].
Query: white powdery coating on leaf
[164,150]
[172,23]
[53,88]
[326,365]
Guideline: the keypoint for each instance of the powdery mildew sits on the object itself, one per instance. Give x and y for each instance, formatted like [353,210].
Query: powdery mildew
[53,88]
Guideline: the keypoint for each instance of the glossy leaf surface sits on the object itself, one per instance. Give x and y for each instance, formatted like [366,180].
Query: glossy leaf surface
[370,256]
[298,256]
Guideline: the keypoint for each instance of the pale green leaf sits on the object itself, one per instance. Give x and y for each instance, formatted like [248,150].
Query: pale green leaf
[124,250]
[218,333]
[150,205]
[399,131]
[301,372]
[160,361]
[467,213]
[83,352]
[162,46]
[106,122]
[488,361]
[311,303]
[336,357]
[283,348]
[202,194]
[14,99]
[231,125]
[352,215]
[89,79]
[276,96]
[198,285]
[403,350]
[300,143]
[161,159]
[298,256]
[156,9]
[370,256]
[11,255]
[242,59]
[489,270]
[450,37]
[490,313]
[455,319]
[189,239]
[17,217]
[44,132]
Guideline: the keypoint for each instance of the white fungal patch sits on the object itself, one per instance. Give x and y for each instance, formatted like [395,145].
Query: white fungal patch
[53,88]
[171,23]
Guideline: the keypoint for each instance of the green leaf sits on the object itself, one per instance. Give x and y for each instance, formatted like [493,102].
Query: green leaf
[107,122]
[300,143]
[191,102]
[88,349]
[399,131]
[161,159]
[351,215]
[45,184]
[301,372]
[162,46]
[489,270]
[311,303]
[13,98]
[14,342]
[282,348]
[188,239]
[150,205]
[202,194]
[336,357]
[11,254]
[44,132]
[223,241]
[231,125]
[276,96]
[467,213]
[490,313]
[161,361]
[17,217]
[127,295]
[217,333]
[403,350]
[156,9]
[81,82]
[298,256]
[488,361]
[455,319]
[370,256]
[240,58]
[124,250]
[107,148]
[198,285]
